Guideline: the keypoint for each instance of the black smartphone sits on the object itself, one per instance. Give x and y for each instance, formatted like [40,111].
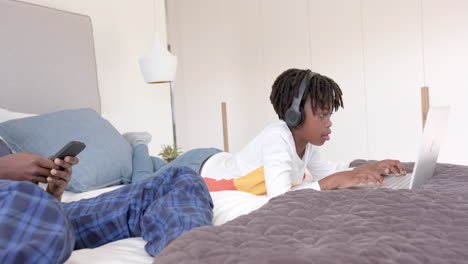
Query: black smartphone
[73,148]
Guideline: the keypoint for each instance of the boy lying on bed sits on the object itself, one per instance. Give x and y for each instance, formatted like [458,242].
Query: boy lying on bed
[36,228]
[275,161]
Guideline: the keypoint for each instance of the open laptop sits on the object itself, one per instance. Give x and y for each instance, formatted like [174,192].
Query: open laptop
[434,130]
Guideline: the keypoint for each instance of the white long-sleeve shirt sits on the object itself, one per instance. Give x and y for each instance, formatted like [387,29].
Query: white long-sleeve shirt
[270,157]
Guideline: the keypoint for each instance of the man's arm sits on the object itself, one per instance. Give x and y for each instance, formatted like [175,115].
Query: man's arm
[34,168]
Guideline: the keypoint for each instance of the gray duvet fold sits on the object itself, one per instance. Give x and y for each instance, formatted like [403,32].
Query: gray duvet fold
[428,225]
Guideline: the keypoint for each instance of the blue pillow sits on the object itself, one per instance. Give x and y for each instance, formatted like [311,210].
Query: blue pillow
[106,160]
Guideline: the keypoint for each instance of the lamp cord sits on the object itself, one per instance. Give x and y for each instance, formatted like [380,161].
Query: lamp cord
[422,45]
[174,134]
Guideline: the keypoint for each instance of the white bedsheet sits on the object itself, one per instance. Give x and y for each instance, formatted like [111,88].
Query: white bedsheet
[227,206]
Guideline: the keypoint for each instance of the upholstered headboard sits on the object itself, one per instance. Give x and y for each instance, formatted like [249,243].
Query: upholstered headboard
[47,59]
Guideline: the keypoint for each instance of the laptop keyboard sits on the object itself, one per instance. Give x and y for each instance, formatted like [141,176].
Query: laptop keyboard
[396,182]
[390,181]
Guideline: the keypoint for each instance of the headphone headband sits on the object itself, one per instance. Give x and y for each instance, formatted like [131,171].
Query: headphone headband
[302,86]
[294,116]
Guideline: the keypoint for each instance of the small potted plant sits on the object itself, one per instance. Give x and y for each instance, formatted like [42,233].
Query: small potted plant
[170,153]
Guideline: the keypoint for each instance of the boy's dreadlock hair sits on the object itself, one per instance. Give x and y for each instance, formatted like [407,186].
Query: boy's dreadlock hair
[323,92]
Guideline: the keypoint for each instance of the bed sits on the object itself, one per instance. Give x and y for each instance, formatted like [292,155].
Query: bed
[427,225]
[352,226]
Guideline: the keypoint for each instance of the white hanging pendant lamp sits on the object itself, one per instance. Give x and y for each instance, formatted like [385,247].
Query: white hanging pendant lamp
[158,65]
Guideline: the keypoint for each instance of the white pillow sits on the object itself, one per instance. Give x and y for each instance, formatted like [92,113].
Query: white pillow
[6,115]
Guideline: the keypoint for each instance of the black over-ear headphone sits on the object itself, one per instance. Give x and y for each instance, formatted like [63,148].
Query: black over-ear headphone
[294,116]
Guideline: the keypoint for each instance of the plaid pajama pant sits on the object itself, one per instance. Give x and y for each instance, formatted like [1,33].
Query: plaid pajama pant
[36,228]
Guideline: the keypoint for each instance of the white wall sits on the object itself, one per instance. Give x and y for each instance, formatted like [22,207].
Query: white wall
[123,31]
[393,76]
[381,52]
[446,60]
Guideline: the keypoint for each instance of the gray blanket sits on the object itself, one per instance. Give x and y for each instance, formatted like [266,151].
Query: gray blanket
[428,225]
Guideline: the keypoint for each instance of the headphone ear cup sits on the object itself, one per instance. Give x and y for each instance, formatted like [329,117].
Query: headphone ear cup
[293,118]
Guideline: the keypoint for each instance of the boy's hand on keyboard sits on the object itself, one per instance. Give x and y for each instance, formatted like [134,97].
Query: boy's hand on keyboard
[369,175]
[386,167]
[394,167]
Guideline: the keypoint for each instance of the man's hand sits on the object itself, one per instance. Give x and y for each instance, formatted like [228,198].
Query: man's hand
[34,168]
[25,167]
[60,176]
